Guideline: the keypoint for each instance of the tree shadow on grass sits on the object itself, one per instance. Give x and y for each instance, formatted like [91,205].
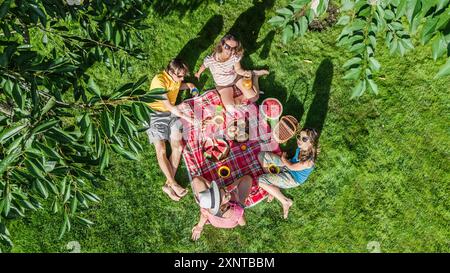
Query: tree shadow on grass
[191,52]
[317,112]
[182,7]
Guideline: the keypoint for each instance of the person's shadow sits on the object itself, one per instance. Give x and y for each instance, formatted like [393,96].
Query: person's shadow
[192,51]
[318,109]
[317,112]
[246,29]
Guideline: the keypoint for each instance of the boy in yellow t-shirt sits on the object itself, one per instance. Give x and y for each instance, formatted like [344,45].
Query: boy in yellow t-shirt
[165,124]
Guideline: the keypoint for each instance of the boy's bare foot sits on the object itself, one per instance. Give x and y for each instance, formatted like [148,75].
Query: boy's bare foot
[260,73]
[269,198]
[179,190]
[286,207]
[168,190]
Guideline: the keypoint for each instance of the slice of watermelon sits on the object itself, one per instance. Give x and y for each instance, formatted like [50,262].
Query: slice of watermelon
[221,149]
[208,143]
[221,143]
[216,154]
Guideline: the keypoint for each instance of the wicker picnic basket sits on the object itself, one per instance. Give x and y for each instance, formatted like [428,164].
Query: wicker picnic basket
[285,129]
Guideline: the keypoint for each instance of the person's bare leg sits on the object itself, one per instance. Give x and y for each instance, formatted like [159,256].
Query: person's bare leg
[227,96]
[199,184]
[177,148]
[276,192]
[244,187]
[166,168]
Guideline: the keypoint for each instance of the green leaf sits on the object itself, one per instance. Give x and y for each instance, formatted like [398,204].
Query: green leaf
[64,226]
[374,64]
[285,11]
[67,193]
[121,151]
[117,37]
[4,8]
[117,119]
[373,86]
[85,221]
[15,144]
[107,124]
[73,205]
[140,82]
[428,29]
[444,70]
[60,135]
[88,136]
[359,89]
[439,46]
[50,103]
[45,126]
[344,20]
[108,30]
[352,61]
[18,96]
[34,167]
[7,161]
[41,189]
[288,32]
[303,27]
[55,207]
[352,74]
[357,48]
[401,9]
[92,86]
[38,11]
[8,133]
[104,160]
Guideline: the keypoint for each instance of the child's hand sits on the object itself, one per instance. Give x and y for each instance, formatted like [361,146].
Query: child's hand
[197,75]
[196,232]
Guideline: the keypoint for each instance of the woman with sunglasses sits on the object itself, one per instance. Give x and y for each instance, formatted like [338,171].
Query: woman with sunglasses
[220,207]
[225,67]
[293,172]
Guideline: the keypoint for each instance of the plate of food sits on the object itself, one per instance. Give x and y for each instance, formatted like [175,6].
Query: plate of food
[215,149]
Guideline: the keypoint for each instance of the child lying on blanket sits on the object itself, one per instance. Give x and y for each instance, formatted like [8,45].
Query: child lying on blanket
[221,207]
[293,172]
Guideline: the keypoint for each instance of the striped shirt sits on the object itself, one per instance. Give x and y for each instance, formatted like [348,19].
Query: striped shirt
[223,72]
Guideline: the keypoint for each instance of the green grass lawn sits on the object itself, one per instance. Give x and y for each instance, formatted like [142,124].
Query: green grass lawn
[382,174]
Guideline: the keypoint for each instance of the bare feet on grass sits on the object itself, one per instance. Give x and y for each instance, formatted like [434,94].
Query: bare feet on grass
[286,205]
[179,190]
[168,190]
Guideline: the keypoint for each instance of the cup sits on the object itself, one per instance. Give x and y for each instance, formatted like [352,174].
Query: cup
[224,171]
[273,169]
[247,82]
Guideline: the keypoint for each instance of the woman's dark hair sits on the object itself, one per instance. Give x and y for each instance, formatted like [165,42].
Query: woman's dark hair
[176,65]
[311,154]
[239,51]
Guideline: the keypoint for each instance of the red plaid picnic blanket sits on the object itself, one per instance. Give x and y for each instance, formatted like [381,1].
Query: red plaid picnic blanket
[240,161]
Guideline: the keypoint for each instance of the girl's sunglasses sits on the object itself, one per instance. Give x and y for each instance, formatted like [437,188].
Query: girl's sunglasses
[304,139]
[228,47]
